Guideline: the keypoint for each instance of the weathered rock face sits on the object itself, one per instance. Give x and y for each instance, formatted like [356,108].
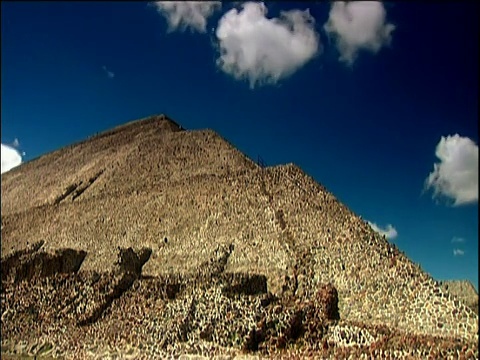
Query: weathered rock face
[161,239]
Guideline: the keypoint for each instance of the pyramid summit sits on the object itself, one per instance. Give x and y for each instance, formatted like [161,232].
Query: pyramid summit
[153,240]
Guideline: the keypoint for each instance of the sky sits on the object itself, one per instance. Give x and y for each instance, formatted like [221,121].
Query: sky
[376,101]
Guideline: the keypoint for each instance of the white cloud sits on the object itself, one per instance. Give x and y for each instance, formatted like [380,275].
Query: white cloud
[181,15]
[109,73]
[358,25]
[16,143]
[10,158]
[458,252]
[389,232]
[456,175]
[263,50]
[458,240]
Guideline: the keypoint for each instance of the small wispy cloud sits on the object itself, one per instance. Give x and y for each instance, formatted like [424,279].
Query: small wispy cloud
[109,73]
[358,25]
[389,231]
[456,175]
[457,240]
[10,158]
[16,143]
[182,15]
[264,50]
[458,252]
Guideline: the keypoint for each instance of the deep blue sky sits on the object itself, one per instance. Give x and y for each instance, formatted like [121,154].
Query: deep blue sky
[367,132]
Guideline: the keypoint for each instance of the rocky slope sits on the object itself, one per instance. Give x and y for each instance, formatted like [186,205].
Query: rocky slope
[149,239]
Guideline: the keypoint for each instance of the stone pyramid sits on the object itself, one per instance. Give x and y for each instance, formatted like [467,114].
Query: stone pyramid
[150,240]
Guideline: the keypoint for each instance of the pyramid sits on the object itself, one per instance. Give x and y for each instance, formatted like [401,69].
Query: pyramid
[152,240]
[463,290]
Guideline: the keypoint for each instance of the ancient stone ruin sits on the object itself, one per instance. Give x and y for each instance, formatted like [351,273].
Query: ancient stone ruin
[148,241]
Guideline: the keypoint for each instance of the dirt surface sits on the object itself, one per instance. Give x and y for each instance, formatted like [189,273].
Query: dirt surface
[150,241]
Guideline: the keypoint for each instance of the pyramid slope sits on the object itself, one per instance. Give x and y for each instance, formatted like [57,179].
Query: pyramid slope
[184,193]
[464,291]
